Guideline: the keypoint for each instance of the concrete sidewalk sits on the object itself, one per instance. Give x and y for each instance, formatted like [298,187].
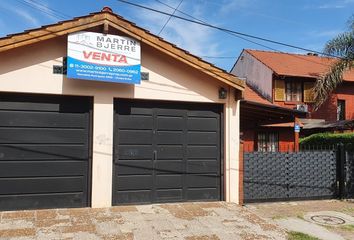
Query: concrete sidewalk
[190,221]
[297,216]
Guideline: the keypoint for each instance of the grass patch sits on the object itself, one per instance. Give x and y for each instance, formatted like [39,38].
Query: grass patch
[300,236]
[348,209]
[349,227]
[278,217]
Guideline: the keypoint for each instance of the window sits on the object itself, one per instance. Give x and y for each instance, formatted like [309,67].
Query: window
[268,142]
[341,110]
[293,91]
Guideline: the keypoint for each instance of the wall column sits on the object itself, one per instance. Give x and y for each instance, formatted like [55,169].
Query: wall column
[232,141]
[240,174]
[102,160]
[296,136]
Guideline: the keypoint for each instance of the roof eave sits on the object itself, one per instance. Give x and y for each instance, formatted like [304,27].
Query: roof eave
[100,18]
[278,108]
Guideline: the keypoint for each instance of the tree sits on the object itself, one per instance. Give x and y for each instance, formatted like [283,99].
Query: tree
[341,46]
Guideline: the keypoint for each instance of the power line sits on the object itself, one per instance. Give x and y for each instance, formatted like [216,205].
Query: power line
[228,30]
[243,38]
[44,9]
[235,35]
[169,18]
[36,7]
[57,14]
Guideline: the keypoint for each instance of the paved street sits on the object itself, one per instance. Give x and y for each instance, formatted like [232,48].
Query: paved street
[190,221]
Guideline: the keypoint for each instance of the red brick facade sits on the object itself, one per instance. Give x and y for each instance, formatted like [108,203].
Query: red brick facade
[286,138]
[346,92]
[328,110]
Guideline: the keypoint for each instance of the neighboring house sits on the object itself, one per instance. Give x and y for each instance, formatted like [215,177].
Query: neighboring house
[67,142]
[266,127]
[286,80]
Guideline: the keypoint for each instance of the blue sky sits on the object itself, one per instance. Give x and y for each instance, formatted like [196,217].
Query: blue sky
[305,23]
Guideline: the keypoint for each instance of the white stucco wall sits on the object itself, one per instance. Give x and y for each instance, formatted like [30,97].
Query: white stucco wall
[232,125]
[29,70]
[255,72]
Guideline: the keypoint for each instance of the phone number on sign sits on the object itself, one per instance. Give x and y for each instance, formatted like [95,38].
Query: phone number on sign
[103,68]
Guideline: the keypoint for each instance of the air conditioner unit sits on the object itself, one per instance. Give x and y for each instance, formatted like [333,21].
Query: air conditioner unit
[302,107]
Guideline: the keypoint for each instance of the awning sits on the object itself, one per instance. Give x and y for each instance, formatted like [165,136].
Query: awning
[257,114]
[338,125]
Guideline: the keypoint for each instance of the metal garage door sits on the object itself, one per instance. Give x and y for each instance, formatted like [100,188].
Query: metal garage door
[44,151]
[166,152]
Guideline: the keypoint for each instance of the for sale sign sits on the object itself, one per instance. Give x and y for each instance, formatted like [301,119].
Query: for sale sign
[103,57]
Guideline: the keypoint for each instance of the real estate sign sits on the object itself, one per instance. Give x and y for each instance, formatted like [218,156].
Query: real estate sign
[103,57]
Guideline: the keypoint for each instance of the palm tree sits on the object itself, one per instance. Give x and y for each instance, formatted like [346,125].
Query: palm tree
[343,47]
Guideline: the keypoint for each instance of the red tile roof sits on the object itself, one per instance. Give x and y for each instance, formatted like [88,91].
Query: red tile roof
[298,65]
[252,95]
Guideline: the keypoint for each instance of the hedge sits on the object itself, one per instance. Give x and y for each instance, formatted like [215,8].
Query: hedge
[328,139]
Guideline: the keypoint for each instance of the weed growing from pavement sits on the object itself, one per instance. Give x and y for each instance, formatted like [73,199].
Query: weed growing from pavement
[348,209]
[300,236]
[278,217]
[349,227]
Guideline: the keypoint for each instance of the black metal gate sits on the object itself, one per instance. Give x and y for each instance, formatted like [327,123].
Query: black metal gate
[271,176]
[346,156]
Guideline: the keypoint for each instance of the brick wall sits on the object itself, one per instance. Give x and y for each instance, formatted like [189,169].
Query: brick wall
[346,92]
[327,111]
[249,141]
[286,139]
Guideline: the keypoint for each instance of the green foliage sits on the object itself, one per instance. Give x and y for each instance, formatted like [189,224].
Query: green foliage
[328,139]
[341,46]
[349,228]
[300,236]
[325,85]
[351,23]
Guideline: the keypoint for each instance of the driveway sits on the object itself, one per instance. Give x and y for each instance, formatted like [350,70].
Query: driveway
[190,221]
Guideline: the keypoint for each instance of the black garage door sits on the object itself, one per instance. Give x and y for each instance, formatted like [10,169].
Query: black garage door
[44,151]
[166,152]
